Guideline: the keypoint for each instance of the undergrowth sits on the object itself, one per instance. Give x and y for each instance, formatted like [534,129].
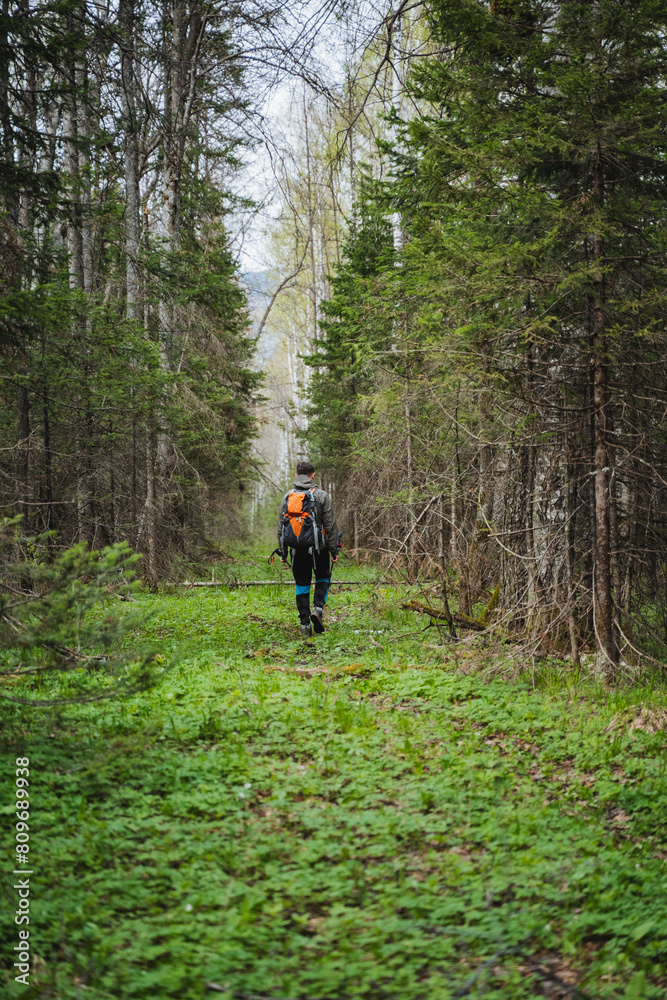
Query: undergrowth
[360,815]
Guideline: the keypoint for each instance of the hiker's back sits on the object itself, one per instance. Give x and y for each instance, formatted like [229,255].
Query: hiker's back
[307,527]
[300,520]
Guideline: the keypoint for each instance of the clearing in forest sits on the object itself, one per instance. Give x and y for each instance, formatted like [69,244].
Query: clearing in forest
[356,816]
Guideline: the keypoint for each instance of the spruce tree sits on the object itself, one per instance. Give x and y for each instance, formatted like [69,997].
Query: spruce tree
[545,158]
[531,192]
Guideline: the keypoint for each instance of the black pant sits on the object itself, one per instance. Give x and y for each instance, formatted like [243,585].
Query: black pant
[303,564]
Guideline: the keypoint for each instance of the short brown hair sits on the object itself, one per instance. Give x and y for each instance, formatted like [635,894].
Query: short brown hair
[304,468]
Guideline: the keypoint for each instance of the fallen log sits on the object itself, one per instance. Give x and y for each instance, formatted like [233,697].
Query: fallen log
[463,620]
[272,583]
[298,671]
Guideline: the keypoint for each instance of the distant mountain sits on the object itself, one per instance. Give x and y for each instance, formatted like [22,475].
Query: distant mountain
[259,286]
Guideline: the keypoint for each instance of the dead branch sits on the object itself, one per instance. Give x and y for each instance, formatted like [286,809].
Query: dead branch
[463,620]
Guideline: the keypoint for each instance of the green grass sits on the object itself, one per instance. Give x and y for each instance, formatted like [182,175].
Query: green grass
[354,816]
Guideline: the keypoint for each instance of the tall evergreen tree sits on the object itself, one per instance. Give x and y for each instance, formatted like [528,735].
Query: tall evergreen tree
[531,193]
[95,381]
[353,329]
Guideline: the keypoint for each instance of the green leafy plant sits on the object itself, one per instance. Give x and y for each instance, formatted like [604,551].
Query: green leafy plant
[63,617]
[276,826]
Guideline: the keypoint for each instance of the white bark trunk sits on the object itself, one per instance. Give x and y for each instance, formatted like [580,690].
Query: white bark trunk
[131,149]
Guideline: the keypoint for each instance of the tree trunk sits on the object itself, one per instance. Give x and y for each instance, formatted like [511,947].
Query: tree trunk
[604,623]
[412,541]
[311,231]
[22,453]
[70,135]
[569,512]
[631,541]
[83,181]
[529,497]
[151,572]
[11,205]
[182,35]
[458,537]
[26,156]
[47,465]
[112,488]
[131,149]
[442,560]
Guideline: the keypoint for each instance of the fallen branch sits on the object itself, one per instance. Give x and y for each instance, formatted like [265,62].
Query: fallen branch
[550,977]
[463,620]
[264,996]
[299,671]
[272,583]
[461,992]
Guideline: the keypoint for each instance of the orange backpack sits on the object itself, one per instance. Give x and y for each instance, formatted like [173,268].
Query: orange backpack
[300,527]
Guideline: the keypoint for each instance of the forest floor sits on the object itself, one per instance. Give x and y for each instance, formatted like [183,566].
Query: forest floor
[359,815]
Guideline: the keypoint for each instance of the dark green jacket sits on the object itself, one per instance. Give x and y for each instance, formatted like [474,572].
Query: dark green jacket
[325,514]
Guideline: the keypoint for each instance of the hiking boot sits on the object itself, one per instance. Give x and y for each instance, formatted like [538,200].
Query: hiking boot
[306,631]
[316,618]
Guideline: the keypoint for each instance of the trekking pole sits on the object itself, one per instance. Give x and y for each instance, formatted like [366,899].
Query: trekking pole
[272,557]
[339,546]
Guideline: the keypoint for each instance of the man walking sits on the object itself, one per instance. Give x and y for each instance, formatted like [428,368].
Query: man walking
[307,526]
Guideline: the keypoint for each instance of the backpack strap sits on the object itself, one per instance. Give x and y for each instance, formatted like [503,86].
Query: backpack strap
[316,528]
